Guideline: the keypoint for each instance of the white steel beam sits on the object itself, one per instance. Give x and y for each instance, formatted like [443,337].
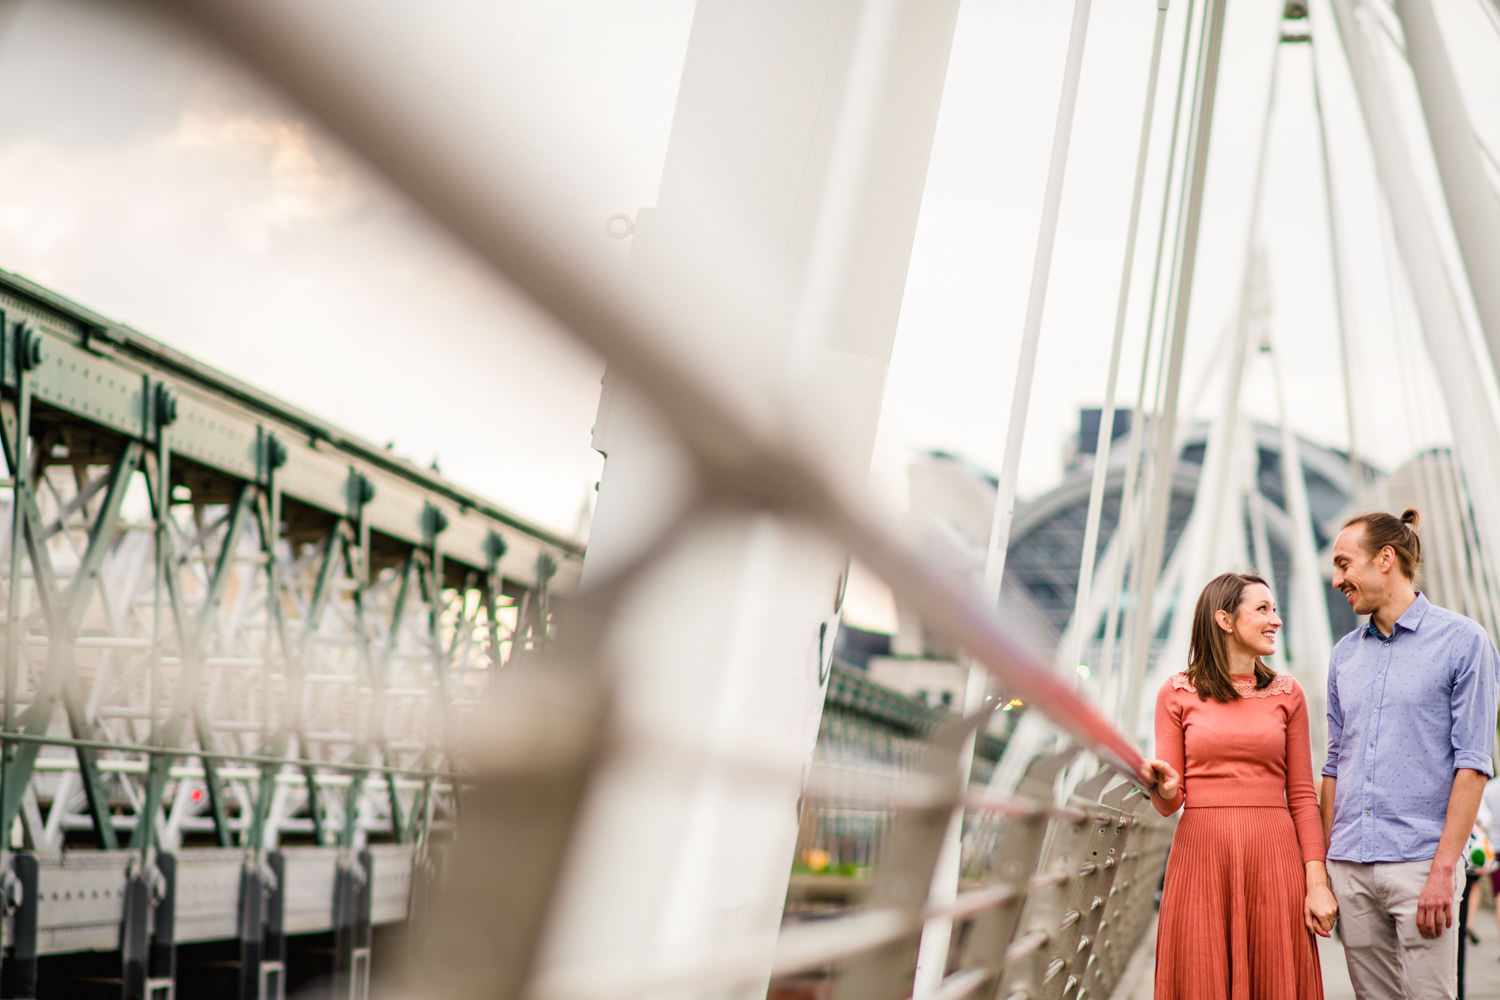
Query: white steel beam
[1472,204]
[819,118]
[1166,431]
[1470,381]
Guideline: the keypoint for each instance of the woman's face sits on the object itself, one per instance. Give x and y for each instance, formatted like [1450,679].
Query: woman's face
[1255,622]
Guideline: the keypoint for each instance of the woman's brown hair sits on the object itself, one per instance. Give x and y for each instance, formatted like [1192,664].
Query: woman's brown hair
[1400,533]
[1208,659]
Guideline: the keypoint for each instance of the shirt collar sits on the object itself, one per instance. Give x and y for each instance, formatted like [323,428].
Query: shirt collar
[1409,620]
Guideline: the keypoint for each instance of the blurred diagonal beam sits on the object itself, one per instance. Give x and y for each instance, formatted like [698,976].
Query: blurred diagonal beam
[1468,380]
[507,219]
[1472,206]
[824,144]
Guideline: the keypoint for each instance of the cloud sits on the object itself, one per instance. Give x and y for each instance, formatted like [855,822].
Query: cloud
[168,192]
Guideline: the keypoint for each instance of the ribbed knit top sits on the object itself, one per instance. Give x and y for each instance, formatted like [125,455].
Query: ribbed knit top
[1254,751]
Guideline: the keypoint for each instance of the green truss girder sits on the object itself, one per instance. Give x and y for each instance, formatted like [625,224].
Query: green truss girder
[191,640]
[64,614]
[379,674]
[113,385]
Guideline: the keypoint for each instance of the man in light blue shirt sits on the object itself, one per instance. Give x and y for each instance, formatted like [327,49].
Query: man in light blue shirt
[1411,733]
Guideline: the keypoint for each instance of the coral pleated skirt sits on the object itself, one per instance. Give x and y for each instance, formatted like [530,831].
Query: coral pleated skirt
[1231,912]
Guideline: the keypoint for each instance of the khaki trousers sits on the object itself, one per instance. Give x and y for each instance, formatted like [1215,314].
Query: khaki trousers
[1388,958]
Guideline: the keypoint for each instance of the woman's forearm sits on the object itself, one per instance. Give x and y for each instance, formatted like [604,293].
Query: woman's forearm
[1164,805]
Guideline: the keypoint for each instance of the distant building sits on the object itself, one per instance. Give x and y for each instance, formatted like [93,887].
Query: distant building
[952,504]
[1450,574]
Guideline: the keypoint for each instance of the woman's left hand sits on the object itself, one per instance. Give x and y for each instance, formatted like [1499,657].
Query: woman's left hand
[1320,910]
[1164,779]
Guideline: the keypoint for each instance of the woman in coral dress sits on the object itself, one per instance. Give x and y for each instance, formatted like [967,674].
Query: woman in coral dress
[1246,887]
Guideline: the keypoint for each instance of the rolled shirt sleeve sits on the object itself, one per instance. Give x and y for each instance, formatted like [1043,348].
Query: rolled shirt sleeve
[1476,681]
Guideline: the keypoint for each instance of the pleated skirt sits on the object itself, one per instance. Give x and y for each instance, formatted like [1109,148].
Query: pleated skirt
[1231,911]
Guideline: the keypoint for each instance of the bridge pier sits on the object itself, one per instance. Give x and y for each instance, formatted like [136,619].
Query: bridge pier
[148,949]
[352,931]
[18,977]
[262,971]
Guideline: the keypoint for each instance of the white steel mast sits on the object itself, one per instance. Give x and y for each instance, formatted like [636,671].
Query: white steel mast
[728,642]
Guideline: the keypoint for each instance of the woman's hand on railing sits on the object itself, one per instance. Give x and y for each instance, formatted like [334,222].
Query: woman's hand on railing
[1166,784]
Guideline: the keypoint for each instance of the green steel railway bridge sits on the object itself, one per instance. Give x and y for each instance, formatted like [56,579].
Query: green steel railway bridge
[238,642]
[286,714]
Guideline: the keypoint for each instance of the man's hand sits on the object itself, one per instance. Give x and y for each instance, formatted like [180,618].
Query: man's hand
[1435,905]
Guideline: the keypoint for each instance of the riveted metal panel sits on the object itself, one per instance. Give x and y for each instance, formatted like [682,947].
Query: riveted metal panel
[309,888]
[215,436]
[208,893]
[314,478]
[391,889]
[82,900]
[90,386]
[82,894]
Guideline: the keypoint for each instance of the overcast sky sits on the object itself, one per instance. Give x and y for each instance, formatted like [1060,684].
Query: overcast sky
[148,181]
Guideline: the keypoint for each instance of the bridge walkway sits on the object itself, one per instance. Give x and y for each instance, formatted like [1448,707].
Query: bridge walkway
[1483,966]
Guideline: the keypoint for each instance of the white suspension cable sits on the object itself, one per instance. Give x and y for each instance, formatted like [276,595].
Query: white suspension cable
[1105,438]
[1472,207]
[1041,269]
[1439,539]
[1341,312]
[1203,540]
[933,948]
[1449,540]
[1151,457]
[1415,417]
[1213,498]
[1478,565]
[1131,498]
[1255,510]
[1468,382]
[1455,531]
[1310,629]
[1167,429]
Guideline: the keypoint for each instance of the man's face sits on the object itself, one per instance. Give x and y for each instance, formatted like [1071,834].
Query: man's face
[1356,573]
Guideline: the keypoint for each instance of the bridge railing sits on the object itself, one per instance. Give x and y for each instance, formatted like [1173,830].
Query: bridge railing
[1051,906]
[1052,899]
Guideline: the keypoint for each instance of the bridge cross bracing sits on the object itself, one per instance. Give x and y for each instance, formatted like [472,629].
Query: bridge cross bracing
[1008,879]
[243,640]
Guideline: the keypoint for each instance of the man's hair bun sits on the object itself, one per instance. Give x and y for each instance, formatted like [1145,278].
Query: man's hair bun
[1400,533]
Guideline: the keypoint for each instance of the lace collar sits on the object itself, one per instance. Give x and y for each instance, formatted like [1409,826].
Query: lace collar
[1244,687]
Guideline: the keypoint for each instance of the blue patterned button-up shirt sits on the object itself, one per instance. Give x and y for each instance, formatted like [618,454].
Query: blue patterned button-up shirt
[1404,712]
